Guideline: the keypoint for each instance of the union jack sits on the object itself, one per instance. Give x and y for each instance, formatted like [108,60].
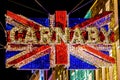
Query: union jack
[20,55]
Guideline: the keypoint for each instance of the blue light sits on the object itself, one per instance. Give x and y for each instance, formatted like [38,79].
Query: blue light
[75,21]
[44,21]
[76,63]
[105,52]
[11,53]
[106,27]
[40,63]
[9,27]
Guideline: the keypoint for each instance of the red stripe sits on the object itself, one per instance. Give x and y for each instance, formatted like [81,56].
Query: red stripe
[61,19]
[34,52]
[98,53]
[92,20]
[22,20]
[61,49]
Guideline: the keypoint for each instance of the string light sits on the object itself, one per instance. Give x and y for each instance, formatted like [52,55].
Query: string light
[81,6]
[41,6]
[76,6]
[27,7]
[4,47]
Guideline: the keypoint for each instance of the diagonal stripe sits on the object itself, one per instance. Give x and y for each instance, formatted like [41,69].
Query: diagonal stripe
[17,56]
[94,20]
[32,58]
[34,52]
[86,56]
[80,63]
[98,53]
[23,20]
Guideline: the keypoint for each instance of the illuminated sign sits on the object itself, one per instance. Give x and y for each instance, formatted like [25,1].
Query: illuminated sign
[21,35]
[30,43]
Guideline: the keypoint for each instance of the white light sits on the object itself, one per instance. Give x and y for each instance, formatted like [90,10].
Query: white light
[73,73]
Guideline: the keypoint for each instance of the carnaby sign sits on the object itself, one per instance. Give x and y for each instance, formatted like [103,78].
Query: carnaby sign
[29,42]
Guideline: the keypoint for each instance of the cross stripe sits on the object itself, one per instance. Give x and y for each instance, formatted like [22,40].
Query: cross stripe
[27,55]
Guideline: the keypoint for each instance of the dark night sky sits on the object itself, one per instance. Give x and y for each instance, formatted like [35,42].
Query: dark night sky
[51,7]
[36,11]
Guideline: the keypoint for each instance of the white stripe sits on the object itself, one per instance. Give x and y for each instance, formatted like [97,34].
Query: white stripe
[17,56]
[30,59]
[78,52]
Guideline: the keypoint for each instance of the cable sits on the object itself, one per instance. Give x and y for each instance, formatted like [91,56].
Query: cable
[3,28]
[41,6]
[4,32]
[82,6]
[27,7]
[2,48]
[2,45]
[76,6]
